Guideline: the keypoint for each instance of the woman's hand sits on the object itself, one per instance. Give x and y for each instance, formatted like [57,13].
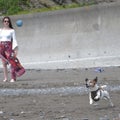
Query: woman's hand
[15,51]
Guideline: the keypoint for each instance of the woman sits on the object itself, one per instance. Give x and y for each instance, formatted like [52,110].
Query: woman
[8,46]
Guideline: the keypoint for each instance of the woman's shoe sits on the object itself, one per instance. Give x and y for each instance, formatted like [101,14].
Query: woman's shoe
[12,80]
[5,80]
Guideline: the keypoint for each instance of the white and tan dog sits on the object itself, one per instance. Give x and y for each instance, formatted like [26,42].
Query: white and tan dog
[97,92]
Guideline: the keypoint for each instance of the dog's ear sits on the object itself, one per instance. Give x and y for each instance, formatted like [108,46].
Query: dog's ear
[86,79]
[96,79]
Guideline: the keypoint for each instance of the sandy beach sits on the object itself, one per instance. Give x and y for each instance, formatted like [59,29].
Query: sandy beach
[58,105]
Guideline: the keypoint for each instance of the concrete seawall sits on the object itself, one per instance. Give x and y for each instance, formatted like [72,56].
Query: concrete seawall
[75,38]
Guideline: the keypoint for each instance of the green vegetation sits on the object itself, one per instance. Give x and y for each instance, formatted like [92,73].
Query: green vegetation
[11,7]
[61,7]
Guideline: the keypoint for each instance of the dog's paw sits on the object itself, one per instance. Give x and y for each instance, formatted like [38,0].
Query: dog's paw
[112,105]
[97,97]
[91,102]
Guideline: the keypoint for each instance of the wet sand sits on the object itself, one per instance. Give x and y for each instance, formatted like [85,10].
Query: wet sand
[72,106]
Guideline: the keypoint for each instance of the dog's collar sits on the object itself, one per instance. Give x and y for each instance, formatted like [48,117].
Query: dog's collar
[95,88]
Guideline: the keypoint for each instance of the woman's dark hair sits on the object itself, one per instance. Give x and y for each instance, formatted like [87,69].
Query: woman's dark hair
[10,23]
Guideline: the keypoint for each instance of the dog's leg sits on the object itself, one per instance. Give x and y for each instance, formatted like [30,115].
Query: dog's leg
[107,96]
[111,102]
[91,100]
[98,95]
[109,99]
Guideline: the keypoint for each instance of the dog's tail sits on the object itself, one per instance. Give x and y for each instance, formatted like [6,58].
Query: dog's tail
[103,86]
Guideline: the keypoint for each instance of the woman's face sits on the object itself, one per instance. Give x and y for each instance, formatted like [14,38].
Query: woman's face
[6,22]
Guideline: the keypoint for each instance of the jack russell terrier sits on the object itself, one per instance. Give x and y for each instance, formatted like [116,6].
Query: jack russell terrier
[97,92]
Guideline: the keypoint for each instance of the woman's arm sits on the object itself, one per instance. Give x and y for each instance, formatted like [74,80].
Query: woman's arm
[14,41]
